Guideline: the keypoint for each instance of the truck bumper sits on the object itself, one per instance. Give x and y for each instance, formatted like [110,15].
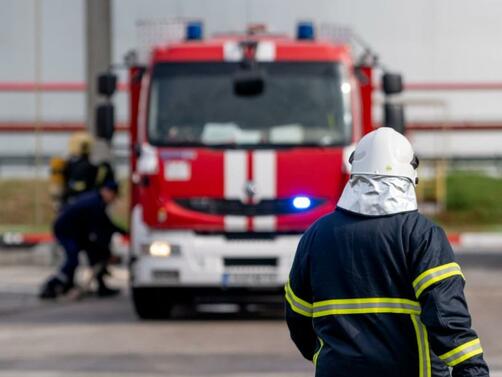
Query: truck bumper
[213,261]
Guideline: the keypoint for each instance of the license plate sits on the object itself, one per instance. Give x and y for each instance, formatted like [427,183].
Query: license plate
[249,279]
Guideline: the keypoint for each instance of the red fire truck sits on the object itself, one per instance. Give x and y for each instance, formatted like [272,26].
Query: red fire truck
[238,143]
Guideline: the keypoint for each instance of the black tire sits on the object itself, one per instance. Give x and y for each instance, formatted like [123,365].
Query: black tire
[150,303]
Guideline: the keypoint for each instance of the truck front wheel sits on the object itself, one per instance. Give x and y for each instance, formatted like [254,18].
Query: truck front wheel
[150,303]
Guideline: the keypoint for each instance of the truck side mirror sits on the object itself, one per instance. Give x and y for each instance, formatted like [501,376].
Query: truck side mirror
[105,121]
[394,116]
[248,83]
[392,83]
[107,84]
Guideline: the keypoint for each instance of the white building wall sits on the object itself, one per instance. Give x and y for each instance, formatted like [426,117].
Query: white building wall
[427,40]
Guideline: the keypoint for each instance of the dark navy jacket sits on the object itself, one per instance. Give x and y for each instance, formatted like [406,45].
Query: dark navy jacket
[85,220]
[381,297]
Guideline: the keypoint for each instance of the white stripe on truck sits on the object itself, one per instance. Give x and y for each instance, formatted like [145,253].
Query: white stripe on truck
[235,223]
[232,52]
[265,175]
[264,223]
[265,51]
[235,176]
[265,181]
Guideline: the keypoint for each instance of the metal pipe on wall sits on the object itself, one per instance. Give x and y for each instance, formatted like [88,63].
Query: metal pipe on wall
[98,60]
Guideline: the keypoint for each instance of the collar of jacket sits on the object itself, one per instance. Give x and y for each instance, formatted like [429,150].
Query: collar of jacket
[376,195]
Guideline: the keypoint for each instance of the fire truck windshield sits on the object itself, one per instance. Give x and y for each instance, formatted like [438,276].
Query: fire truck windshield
[304,103]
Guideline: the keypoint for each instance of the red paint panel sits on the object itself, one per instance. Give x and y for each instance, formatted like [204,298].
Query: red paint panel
[312,172]
[190,52]
[249,158]
[312,51]
[300,222]
[135,74]
[366,93]
[207,174]
[180,218]
[309,171]
[286,50]
[249,200]
[206,180]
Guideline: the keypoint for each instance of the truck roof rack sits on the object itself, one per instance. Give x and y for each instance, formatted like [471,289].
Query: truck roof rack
[155,32]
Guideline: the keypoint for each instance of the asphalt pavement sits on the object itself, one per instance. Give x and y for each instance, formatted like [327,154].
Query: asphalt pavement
[97,337]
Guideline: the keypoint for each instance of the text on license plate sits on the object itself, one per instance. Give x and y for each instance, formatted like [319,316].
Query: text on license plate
[249,279]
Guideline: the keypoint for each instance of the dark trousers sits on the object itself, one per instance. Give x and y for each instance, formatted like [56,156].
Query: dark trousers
[96,253]
[71,250]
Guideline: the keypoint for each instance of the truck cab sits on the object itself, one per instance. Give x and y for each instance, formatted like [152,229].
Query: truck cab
[239,142]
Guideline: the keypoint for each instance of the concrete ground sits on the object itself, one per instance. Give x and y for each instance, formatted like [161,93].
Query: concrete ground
[94,337]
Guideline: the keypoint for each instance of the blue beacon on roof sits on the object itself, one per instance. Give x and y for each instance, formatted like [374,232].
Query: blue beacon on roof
[194,31]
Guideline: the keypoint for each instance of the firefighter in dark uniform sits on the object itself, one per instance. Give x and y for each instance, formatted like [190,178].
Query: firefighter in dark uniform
[79,174]
[84,225]
[374,289]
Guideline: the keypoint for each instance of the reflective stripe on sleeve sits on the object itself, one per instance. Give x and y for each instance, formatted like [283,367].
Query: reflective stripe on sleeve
[434,275]
[297,304]
[462,353]
[424,358]
[316,355]
[365,306]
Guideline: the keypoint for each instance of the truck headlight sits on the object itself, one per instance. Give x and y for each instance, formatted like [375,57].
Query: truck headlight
[161,249]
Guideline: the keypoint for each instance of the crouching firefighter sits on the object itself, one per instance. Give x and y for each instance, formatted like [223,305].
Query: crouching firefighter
[374,289]
[84,225]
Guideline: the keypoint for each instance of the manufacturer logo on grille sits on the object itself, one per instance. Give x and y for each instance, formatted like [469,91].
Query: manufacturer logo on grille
[250,189]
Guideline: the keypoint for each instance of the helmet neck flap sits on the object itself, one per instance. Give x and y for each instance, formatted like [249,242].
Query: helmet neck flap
[374,195]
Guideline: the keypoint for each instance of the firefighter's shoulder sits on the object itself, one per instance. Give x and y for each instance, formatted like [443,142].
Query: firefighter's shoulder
[324,222]
[428,248]
[314,231]
[418,226]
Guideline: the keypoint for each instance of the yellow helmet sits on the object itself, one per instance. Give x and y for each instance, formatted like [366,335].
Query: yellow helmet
[80,143]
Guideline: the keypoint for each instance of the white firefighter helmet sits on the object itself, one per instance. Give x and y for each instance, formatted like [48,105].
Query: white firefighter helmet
[384,152]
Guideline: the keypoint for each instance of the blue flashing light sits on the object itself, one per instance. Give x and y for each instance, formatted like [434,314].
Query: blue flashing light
[194,31]
[305,31]
[302,202]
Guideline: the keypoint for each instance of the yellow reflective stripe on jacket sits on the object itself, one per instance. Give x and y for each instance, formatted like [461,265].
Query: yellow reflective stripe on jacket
[424,358]
[434,275]
[350,306]
[100,176]
[462,352]
[78,185]
[366,306]
[316,355]
[297,304]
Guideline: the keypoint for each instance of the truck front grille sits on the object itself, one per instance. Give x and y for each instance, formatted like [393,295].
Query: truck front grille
[232,262]
[238,208]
